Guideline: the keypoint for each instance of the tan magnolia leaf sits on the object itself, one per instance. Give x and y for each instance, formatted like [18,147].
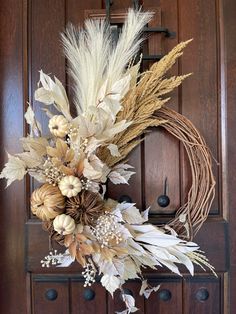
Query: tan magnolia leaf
[81,238]
[80,167]
[38,144]
[31,159]
[73,248]
[69,238]
[61,151]
[80,258]
[66,170]
[86,249]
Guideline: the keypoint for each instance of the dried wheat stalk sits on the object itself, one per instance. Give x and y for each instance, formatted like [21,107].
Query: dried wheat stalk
[142,101]
[144,106]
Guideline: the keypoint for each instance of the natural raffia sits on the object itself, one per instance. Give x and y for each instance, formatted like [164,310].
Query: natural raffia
[190,217]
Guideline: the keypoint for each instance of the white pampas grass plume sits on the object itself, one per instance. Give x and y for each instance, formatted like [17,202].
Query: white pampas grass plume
[128,44]
[93,59]
[87,51]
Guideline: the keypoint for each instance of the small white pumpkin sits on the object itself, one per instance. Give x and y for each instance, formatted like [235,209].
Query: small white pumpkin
[64,224]
[58,126]
[70,186]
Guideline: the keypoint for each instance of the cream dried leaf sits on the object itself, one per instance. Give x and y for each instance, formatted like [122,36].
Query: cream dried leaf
[131,214]
[113,150]
[109,100]
[130,270]
[146,290]
[53,93]
[95,169]
[37,144]
[120,174]
[38,176]
[130,304]
[14,169]
[31,159]
[111,283]
[35,126]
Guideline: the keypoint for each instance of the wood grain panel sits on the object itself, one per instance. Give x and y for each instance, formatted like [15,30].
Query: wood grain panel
[202,295]
[12,213]
[168,300]
[75,10]
[82,305]
[228,25]
[42,305]
[160,150]
[199,93]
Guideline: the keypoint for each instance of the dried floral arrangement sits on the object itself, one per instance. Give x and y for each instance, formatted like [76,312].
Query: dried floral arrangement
[115,105]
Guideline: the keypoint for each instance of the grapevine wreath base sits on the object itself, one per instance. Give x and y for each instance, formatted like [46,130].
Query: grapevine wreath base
[115,105]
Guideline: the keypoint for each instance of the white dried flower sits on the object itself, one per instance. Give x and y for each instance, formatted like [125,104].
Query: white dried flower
[53,258]
[70,186]
[89,273]
[107,229]
[58,126]
[52,173]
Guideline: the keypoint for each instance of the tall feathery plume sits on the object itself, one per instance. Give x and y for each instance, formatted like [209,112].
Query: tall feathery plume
[128,44]
[87,51]
[93,59]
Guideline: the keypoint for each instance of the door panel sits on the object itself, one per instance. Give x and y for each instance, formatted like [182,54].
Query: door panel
[29,41]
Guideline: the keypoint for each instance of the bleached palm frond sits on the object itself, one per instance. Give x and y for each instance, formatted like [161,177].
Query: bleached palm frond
[128,44]
[87,51]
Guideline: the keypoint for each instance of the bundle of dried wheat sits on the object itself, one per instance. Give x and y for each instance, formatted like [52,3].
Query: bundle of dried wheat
[142,101]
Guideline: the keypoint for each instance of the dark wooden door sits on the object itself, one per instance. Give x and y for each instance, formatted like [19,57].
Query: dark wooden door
[29,41]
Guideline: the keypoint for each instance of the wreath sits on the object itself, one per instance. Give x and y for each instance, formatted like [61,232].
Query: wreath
[115,105]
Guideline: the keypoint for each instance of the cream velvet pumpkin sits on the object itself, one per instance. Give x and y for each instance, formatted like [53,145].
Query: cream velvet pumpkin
[64,224]
[58,126]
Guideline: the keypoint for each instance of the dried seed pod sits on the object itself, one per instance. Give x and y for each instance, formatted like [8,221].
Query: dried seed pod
[85,208]
[47,202]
